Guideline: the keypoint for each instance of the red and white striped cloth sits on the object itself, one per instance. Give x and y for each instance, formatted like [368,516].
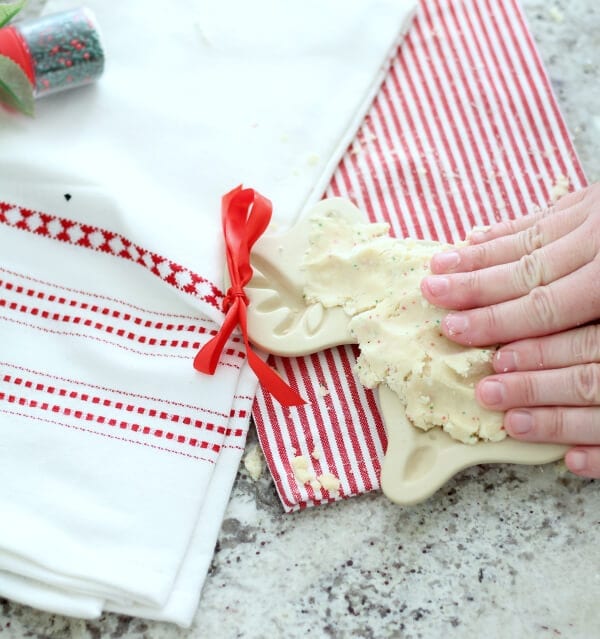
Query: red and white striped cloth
[465,130]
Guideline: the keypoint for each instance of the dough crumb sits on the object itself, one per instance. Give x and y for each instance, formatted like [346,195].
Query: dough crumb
[323,392]
[356,148]
[329,482]
[203,38]
[313,159]
[254,462]
[561,467]
[301,470]
[559,188]
[556,14]
[305,475]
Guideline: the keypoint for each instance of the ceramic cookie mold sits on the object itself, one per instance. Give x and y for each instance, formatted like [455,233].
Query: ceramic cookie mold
[416,462]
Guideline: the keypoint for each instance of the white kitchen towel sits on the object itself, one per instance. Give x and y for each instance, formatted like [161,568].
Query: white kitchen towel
[116,457]
[109,436]
[201,95]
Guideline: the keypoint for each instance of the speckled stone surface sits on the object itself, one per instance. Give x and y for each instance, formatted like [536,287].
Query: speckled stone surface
[499,552]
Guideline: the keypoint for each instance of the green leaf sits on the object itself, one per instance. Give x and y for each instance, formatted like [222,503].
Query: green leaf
[8,10]
[16,90]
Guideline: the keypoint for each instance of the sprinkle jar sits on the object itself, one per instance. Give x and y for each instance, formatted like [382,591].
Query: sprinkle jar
[60,51]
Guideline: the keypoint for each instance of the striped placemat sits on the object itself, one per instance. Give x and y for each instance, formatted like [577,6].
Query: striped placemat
[465,130]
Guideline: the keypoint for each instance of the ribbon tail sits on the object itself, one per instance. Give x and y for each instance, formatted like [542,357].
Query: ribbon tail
[271,381]
[207,357]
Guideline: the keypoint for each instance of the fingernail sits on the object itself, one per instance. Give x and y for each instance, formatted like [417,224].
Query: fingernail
[506,361]
[437,285]
[477,236]
[520,422]
[445,261]
[577,460]
[492,392]
[456,324]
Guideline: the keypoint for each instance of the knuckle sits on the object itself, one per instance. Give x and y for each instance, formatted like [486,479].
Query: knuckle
[472,284]
[541,306]
[491,319]
[549,211]
[540,348]
[586,383]
[479,256]
[530,272]
[587,344]
[529,390]
[556,425]
[515,225]
[531,238]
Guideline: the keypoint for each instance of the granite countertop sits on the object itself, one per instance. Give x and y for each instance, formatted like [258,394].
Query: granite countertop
[500,551]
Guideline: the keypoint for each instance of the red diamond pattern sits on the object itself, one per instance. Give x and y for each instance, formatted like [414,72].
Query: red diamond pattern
[97,239]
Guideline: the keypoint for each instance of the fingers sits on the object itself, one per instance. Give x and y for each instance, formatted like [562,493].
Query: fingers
[584,461]
[509,241]
[519,224]
[570,301]
[553,406]
[572,386]
[509,281]
[577,426]
[577,346]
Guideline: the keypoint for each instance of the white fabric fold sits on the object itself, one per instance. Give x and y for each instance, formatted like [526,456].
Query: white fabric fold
[116,457]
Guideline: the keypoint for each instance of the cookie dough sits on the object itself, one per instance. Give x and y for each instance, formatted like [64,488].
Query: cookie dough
[301,469]
[559,188]
[376,279]
[304,474]
[329,482]
[254,462]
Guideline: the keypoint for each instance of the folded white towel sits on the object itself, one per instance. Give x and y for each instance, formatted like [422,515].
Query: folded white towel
[116,456]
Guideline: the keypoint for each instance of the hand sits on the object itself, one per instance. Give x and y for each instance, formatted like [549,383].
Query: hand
[550,388]
[535,278]
[532,276]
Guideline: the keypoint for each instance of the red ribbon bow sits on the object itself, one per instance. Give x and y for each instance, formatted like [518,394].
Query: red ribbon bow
[245,215]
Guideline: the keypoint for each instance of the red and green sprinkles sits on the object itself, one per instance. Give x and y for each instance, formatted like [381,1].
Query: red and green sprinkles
[65,50]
